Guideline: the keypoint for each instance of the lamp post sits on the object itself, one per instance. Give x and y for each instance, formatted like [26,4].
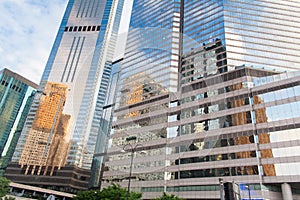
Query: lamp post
[221,188]
[96,194]
[248,188]
[132,149]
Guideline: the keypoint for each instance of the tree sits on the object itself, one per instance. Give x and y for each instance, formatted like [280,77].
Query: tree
[4,186]
[165,196]
[112,192]
[89,195]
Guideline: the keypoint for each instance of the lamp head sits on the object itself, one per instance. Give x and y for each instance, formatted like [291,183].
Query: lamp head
[143,152]
[220,180]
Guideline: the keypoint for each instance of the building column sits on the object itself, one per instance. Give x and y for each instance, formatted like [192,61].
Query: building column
[286,191]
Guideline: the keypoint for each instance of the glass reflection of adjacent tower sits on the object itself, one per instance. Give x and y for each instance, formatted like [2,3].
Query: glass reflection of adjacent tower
[261,117]
[138,88]
[48,141]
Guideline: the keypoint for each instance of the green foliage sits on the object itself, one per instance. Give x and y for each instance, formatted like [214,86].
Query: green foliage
[90,195]
[168,197]
[112,192]
[4,186]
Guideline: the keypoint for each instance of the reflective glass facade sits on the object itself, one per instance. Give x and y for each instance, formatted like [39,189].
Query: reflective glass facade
[72,90]
[105,126]
[152,48]
[255,32]
[149,72]
[216,107]
[16,96]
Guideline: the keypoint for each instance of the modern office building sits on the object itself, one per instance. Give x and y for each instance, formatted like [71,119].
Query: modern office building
[149,71]
[16,96]
[254,32]
[207,90]
[57,145]
[105,127]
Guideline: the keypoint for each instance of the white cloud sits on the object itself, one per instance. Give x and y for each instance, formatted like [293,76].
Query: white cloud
[27,32]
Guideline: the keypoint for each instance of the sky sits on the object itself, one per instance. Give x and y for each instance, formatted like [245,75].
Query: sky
[27,32]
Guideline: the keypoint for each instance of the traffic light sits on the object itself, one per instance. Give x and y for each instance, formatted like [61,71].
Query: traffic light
[228,190]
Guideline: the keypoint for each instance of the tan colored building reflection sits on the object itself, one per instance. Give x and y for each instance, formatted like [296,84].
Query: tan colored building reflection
[48,141]
[135,96]
[138,88]
[264,138]
[261,117]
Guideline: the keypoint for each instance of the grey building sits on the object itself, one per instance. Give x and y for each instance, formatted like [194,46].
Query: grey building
[207,88]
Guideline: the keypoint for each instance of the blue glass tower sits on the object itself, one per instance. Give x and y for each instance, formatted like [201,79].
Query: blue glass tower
[16,96]
[254,32]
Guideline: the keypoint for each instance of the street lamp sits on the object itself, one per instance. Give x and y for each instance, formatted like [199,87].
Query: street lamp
[221,188]
[130,148]
[96,194]
[248,188]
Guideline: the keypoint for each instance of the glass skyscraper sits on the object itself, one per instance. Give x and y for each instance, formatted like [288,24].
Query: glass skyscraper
[16,96]
[149,72]
[254,32]
[203,93]
[63,126]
